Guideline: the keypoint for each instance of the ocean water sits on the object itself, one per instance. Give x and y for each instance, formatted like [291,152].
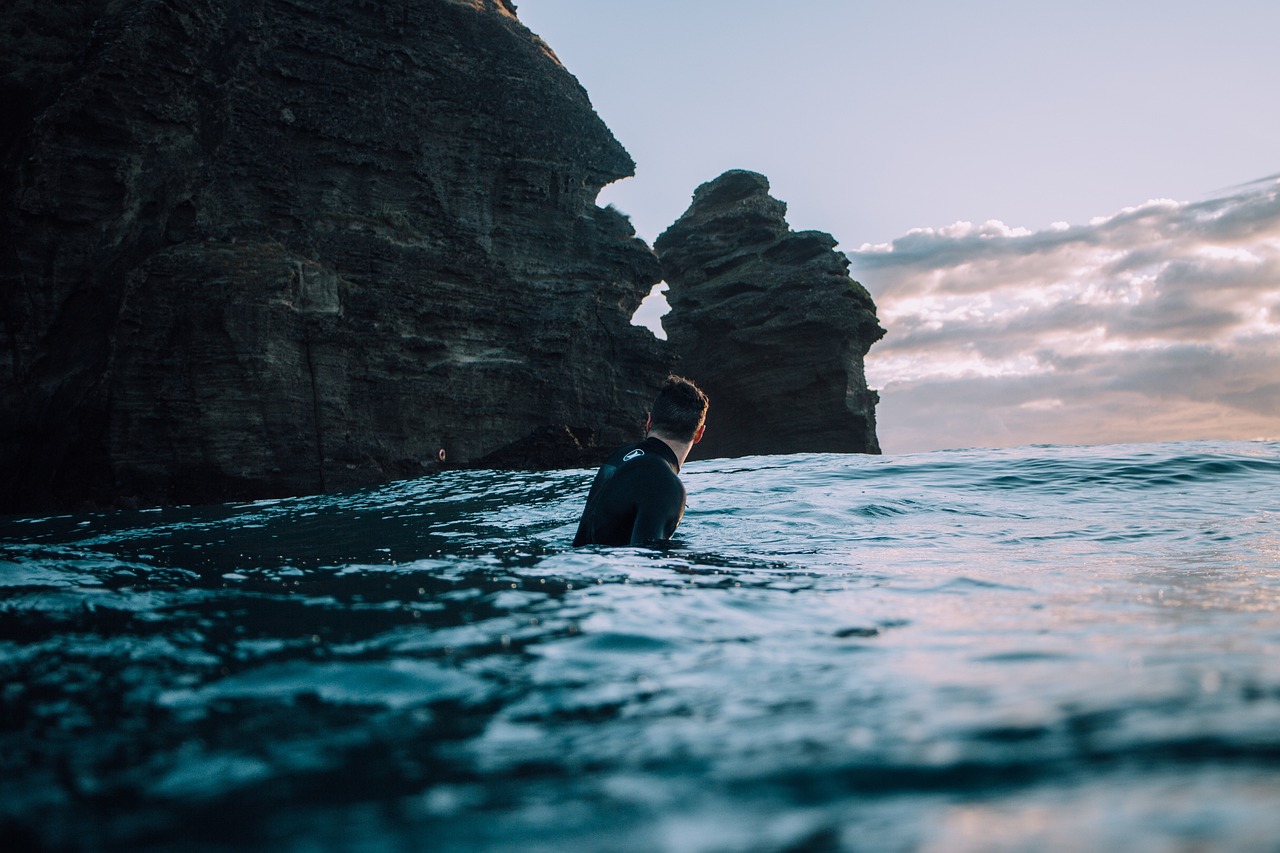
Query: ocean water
[1043,648]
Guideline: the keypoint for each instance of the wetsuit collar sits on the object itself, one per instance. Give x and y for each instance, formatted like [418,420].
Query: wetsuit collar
[660,447]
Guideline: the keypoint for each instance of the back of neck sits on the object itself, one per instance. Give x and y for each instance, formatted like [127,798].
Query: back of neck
[679,448]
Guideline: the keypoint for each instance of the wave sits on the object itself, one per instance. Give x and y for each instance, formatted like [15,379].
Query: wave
[836,648]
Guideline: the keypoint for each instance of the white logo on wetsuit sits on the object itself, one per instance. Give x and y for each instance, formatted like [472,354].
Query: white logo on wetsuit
[633,454]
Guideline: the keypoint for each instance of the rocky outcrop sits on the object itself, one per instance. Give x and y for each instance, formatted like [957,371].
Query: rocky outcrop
[770,325]
[269,247]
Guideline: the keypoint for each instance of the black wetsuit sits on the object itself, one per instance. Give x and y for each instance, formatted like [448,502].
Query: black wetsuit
[636,497]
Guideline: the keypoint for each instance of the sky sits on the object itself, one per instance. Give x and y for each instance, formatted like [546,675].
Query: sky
[1068,213]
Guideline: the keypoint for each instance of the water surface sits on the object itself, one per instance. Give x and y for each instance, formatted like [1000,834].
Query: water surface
[1041,648]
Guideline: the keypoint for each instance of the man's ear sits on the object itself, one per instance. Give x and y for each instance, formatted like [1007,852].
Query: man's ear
[697,436]
[648,423]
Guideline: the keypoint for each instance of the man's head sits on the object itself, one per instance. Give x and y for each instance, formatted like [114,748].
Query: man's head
[679,410]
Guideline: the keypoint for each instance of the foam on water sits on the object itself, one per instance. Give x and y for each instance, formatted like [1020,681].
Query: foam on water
[1044,647]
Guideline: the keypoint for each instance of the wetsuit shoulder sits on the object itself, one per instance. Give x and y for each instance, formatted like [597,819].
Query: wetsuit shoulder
[636,497]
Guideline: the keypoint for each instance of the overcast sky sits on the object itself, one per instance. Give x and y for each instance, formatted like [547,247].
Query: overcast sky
[1067,213]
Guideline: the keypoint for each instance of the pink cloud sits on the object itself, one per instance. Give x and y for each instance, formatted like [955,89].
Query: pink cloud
[1156,323]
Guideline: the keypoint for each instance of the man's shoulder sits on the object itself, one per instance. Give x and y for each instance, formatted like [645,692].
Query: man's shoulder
[625,453]
[644,455]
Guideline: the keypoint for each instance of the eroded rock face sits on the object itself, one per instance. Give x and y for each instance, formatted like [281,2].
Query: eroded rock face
[768,322]
[269,247]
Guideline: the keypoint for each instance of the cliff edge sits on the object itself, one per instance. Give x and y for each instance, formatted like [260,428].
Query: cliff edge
[257,248]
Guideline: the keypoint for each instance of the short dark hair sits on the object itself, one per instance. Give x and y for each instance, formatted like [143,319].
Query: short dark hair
[679,409]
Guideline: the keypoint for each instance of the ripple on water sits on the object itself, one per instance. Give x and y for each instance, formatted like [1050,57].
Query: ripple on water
[1035,648]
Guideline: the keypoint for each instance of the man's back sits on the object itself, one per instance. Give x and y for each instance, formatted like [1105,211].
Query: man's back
[636,497]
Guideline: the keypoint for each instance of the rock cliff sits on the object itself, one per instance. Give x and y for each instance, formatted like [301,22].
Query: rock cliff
[770,325]
[269,247]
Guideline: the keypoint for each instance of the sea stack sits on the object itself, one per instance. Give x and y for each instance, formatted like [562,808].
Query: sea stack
[256,248]
[769,323]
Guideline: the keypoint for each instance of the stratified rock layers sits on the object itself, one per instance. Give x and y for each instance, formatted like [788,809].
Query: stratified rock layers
[768,322]
[270,247]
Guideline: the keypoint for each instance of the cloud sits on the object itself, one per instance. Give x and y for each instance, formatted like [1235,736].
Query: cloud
[1160,322]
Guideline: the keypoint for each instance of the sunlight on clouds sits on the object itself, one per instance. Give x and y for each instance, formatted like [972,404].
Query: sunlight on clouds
[1176,303]
[1234,254]
[990,229]
[1046,405]
[1154,205]
[1264,321]
[958,365]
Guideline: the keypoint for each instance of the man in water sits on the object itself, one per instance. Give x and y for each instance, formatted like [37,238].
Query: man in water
[636,498]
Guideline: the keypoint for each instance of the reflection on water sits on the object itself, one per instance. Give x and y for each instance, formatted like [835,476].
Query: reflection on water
[1045,648]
